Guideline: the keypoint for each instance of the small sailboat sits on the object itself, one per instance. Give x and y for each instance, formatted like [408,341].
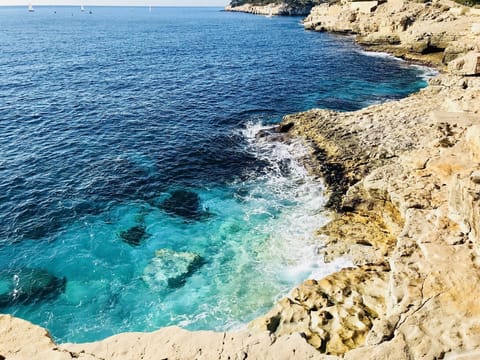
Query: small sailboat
[30,8]
[149,9]
[82,8]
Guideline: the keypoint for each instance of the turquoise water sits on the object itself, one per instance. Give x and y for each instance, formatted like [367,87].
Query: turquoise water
[133,193]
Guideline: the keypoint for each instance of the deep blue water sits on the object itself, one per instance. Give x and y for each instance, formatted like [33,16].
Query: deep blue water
[124,132]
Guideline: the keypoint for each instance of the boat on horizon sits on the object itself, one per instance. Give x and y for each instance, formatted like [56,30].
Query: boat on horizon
[30,8]
[82,8]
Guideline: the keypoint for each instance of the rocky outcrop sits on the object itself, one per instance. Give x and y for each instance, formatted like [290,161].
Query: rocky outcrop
[412,200]
[274,9]
[334,314]
[435,32]
[466,65]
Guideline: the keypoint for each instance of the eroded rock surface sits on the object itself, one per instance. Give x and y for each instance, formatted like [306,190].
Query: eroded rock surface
[280,9]
[436,31]
[413,201]
[334,314]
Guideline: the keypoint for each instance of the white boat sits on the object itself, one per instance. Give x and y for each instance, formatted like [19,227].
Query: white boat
[30,8]
[82,9]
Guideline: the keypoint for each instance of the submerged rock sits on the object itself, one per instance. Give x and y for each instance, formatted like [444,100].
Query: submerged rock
[135,235]
[183,203]
[28,285]
[170,268]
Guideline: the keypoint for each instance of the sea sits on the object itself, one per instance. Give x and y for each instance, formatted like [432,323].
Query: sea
[134,193]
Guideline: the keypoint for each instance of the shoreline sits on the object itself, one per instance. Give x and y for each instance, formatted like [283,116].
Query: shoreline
[407,214]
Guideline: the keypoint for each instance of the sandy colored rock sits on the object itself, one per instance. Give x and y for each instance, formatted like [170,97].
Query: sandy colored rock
[21,340]
[437,32]
[275,9]
[335,314]
[469,64]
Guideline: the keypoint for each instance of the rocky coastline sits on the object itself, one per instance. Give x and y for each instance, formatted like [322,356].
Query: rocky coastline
[273,9]
[404,184]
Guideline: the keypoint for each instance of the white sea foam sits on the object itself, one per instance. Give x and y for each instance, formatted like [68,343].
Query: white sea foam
[291,250]
[382,55]
[427,71]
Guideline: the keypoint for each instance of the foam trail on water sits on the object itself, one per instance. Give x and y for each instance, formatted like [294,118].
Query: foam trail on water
[382,55]
[296,243]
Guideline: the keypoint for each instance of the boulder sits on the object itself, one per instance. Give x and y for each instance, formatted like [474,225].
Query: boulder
[468,64]
[24,286]
[170,269]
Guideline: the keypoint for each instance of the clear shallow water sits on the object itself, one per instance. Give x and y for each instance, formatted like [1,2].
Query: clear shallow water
[103,116]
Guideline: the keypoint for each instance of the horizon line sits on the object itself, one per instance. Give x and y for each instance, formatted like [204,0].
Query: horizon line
[111,5]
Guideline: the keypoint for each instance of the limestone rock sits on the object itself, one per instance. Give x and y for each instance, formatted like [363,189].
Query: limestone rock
[335,313]
[21,340]
[435,33]
[466,65]
[473,141]
[276,9]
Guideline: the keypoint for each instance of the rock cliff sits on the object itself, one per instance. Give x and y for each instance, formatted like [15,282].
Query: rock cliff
[404,185]
[281,9]
[433,31]
[408,218]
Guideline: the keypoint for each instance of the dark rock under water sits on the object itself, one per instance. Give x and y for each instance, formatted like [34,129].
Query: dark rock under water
[29,285]
[135,235]
[183,203]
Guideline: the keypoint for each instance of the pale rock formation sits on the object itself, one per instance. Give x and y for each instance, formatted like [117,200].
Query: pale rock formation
[422,159]
[281,9]
[334,314]
[468,64]
[436,32]
[21,340]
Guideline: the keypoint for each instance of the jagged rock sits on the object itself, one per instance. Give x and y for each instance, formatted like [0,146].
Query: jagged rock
[473,141]
[335,314]
[276,9]
[27,285]
[466,65]
[170,269]
[430,33]
[379,39]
